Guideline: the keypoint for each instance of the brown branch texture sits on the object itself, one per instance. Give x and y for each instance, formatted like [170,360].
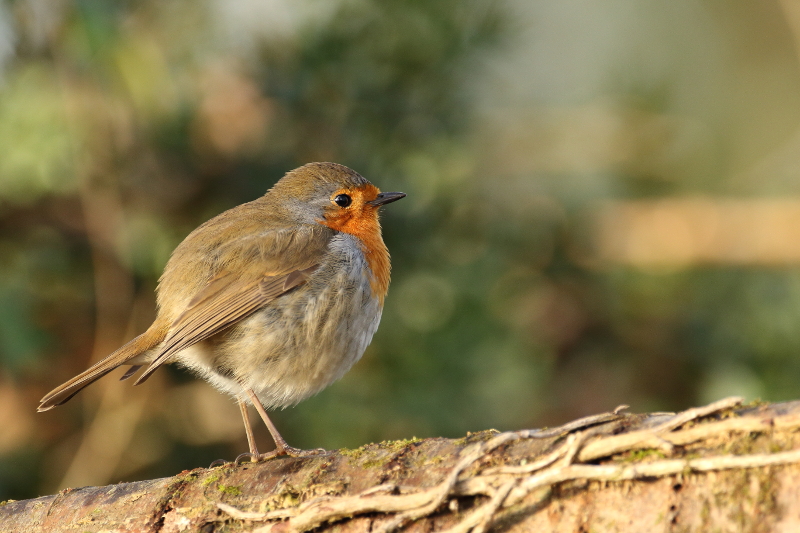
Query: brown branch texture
[723,467]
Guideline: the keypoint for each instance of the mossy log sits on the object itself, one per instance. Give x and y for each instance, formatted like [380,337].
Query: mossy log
[723,467]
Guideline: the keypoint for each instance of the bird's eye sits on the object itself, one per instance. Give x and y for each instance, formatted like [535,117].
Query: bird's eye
[342,200]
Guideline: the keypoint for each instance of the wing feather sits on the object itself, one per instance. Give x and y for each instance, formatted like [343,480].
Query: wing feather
[230,297]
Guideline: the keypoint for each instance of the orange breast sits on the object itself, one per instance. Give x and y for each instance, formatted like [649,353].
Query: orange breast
[361,220]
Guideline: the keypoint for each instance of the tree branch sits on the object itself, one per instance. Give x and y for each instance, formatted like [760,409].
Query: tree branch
[723,466]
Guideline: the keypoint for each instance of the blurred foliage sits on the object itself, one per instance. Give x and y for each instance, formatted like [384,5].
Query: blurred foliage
[124,125]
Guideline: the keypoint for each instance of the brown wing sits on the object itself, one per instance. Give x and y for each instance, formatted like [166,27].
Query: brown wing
[225,300]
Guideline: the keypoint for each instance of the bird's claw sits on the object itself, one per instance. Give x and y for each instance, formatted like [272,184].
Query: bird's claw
[240,459]
[253,457]
[218,462]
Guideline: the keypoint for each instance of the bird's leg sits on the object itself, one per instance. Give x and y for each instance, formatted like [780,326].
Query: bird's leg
[251,440]
[253,454]
[281,448]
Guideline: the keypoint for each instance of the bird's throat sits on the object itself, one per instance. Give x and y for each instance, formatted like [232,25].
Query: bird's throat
[365,226]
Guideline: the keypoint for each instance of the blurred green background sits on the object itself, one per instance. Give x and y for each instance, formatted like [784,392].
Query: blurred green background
[568,242]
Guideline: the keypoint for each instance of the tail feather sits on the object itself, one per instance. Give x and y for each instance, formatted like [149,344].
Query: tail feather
[131,371]
[61,394]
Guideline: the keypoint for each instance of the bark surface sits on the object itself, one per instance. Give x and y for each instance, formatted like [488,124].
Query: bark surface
[723,467]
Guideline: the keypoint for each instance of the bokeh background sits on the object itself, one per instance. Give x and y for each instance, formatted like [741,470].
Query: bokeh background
[603,208]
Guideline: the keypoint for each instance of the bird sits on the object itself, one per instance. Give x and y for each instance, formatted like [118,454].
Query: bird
[270,301]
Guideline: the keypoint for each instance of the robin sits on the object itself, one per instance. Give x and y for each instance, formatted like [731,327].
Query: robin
[271,301]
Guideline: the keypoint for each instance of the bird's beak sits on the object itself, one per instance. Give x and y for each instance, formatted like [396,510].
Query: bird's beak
[386,198]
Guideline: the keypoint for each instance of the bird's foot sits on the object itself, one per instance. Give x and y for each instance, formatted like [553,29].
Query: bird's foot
[286,451]
[246,457]
[297,452]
